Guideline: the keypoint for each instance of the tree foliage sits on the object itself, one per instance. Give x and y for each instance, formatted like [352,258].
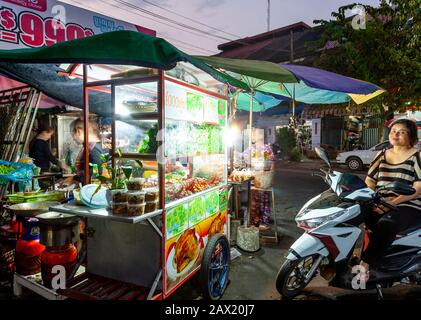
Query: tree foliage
[386,52]
[287,141]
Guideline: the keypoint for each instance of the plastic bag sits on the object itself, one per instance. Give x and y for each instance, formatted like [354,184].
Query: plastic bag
[22,172]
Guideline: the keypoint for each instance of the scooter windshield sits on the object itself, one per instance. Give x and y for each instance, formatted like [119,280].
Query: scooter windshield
[349,183]
[327,199]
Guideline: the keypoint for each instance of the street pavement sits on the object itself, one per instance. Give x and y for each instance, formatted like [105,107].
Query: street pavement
[253,275]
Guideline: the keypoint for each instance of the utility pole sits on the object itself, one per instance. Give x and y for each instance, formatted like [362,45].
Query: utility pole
[268,15]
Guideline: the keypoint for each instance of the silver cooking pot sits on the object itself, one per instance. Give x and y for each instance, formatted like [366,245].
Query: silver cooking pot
[58,229]
[31,209]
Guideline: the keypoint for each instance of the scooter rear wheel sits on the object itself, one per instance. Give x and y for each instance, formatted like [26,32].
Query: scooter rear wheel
[291,279]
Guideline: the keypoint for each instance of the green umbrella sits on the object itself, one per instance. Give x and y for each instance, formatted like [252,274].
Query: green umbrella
[258,75]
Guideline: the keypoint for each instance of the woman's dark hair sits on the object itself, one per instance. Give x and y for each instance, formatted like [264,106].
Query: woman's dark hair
[412,129]
[41,128]
[44,128]
[78,124]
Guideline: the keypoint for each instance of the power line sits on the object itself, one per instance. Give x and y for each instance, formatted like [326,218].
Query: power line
[179,24]
[140,15]
[190,49]
[166,24]
[185,45]
[188,44]
[190,19]
[189,28]
[133,6]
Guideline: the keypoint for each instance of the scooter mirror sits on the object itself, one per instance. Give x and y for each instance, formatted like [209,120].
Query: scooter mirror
[400,188]
[322,155]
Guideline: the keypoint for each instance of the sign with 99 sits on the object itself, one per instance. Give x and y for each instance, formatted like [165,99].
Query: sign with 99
[33,30]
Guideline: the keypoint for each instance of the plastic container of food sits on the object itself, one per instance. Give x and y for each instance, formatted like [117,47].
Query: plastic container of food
[151,206]
[136,197]
[135,184]
[136,209]
[152,194]
[119,195]
[119,208]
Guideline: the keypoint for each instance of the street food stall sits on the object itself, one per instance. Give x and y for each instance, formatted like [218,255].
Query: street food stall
[160,214]
[179,128]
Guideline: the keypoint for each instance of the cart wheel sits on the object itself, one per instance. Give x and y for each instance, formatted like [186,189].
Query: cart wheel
[215,267]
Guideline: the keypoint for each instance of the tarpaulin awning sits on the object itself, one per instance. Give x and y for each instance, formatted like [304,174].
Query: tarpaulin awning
[45,77]
[46,101]
[117,47]
[301,83]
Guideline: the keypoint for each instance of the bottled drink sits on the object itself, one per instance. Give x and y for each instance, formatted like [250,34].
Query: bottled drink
[69,158]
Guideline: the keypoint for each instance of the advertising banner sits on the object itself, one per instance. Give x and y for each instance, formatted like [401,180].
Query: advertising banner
[187,104]
[37,23]
[189,227]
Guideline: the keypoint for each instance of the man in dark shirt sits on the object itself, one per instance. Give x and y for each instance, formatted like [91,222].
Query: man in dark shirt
[39,150]
[95,147]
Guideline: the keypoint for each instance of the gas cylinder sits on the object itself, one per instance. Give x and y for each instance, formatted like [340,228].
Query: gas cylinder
[29,249]
[63,256]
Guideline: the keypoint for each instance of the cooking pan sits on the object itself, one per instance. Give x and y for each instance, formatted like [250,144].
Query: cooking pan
[31,209]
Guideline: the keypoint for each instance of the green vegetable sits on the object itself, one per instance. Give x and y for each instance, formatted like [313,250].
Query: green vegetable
[149,144]
[5,169]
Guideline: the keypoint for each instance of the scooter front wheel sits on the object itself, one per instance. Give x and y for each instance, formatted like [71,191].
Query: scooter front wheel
[295,275]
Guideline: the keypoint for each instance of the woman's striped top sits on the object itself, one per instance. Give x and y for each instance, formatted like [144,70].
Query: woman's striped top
[408,171]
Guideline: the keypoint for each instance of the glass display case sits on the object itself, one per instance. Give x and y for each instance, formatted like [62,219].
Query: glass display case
[195,151]
[171,131]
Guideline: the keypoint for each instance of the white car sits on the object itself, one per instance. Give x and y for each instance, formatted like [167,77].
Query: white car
[357,159]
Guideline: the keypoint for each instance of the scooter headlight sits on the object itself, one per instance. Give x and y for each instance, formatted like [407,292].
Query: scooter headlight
[316,222]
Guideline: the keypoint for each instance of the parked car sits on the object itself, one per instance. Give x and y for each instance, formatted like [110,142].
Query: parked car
[358,159]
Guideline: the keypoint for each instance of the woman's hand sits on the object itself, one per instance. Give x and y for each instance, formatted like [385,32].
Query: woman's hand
[380,209]
[66,181]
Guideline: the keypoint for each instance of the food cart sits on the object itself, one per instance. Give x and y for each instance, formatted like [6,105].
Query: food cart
[175,129]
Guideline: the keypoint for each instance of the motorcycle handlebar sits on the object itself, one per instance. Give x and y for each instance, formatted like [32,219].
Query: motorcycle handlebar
[387,204]
[324,171]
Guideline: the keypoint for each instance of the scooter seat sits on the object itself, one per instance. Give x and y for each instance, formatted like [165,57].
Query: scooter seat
[408,231]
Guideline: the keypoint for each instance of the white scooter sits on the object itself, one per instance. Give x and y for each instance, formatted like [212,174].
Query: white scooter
[333,222]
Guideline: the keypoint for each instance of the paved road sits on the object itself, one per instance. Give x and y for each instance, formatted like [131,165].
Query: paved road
[252,276]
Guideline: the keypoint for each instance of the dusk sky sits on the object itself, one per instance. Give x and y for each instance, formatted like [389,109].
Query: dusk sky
[237,18]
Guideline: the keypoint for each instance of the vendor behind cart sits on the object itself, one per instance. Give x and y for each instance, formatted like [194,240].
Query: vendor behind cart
[39,150]
[95,150]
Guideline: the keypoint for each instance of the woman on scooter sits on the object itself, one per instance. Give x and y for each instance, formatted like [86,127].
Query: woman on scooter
[401,163]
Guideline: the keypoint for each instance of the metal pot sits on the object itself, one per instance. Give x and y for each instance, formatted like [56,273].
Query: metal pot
[31,209]
[58,229]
